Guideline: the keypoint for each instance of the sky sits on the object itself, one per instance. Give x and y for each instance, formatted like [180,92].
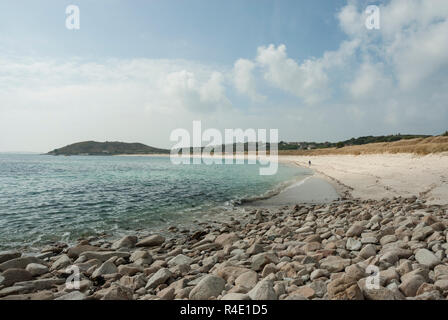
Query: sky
[137,70]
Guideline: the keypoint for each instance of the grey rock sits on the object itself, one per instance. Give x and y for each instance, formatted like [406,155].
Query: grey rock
[74,295]
[104,255]
[106,268]
[125,242]
[9,255]
[427,258]
[353,244]
[60,263]
[236,296]
[264,290]
[209,286]
[19,263]
[158,278]
[37,269]
[151,241]
[368,251]
[12,276]
[180,259]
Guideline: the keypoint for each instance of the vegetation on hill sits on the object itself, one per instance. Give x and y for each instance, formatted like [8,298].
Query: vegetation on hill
[106,148]
[421,146]
[351,142]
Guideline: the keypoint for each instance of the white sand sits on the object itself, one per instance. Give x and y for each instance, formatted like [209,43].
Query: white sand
[385,175]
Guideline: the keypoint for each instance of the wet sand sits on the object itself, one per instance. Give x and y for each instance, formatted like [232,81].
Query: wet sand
[309,190]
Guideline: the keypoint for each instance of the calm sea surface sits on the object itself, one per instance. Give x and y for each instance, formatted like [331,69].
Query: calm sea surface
[46,198]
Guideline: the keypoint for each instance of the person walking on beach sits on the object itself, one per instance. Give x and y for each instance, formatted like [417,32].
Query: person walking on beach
[309,163]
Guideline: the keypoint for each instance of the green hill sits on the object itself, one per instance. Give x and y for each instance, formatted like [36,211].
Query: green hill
[105,149]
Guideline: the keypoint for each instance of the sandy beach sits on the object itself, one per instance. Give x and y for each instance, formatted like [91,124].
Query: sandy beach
[384,175]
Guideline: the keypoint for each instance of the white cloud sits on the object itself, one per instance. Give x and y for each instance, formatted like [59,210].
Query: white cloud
[307,80]
[244,80]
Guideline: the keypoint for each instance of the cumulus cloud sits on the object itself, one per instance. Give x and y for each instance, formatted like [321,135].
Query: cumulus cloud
[307,80]
[244,79]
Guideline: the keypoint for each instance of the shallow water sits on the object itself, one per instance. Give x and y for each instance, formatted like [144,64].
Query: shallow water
[46,198]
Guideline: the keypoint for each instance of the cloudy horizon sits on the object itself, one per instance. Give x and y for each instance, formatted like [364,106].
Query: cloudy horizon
[135,72]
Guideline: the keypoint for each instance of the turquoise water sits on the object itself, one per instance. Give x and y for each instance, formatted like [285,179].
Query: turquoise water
[45,198]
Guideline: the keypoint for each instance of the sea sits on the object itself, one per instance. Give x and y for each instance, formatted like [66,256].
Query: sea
[46,199]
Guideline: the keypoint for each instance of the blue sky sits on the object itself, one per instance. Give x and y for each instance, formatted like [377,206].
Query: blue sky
[136,70]
[207,31]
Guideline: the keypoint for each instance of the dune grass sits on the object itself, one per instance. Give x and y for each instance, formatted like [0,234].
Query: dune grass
[420,146]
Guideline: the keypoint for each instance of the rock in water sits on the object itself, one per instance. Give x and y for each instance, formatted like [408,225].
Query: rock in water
[209,286]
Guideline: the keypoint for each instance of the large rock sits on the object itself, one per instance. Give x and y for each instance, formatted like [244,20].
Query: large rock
[75,252]
[230,272]
[40,284]
[125,242]
[209,286]
[262,259]
[36,269]
[410,285]
[19,263]
[236,296]
[334,263]
[226,239]
[264,290]
[117,292]
[158,278]
[61,262]
[427,258]
[179,260]
[379,294]
[338,289]
[141,258]
[422,233]
[104,255]
[353,244]
[129,269]
[368,251]
[247,280]
[441,271]
[106,268]
[151,241]
[355,230]
[12,276]
[9,255]
[74,295]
